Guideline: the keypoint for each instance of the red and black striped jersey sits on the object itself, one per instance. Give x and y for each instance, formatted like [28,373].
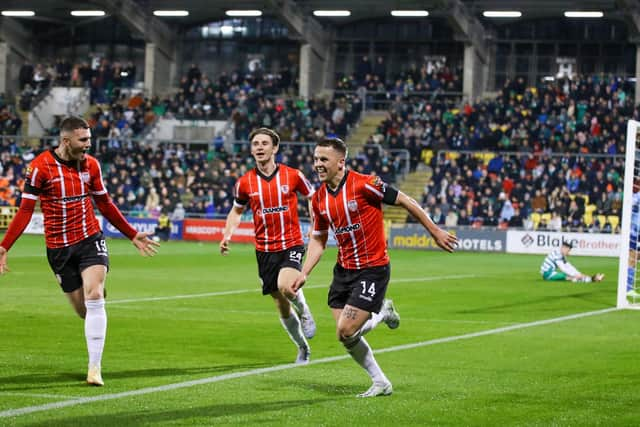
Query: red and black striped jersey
[354,213]
[274,203]
[65,189]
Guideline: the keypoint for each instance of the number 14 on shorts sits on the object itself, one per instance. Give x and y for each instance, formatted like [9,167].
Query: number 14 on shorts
[368,290]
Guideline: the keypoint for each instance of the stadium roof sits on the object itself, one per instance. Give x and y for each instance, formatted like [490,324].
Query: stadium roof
[203,11]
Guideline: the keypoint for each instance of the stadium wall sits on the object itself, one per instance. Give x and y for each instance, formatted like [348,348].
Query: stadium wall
[410,236]
[414,236]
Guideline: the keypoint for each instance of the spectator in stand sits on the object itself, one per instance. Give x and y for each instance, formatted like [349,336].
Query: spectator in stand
[463,218]
[163,229]
[555,224]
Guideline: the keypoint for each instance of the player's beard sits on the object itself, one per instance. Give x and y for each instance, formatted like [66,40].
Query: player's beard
[77,154]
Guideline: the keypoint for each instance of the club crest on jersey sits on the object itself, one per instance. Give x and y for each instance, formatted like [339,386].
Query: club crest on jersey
[352,205]
[284,188]
[84,176]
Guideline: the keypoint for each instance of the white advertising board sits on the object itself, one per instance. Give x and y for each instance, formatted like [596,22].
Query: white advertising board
[541,242]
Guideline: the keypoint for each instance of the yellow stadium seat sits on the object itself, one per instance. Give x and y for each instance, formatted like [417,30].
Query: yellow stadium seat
[587,218]
[602,219]
[546,216]
[535,218]
[427,155]
[488,157]
[614,221]
[590,208]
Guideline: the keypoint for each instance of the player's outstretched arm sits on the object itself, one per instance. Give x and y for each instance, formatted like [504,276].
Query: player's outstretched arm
[16,228]
[233,221]
[145,245]
[141,241]
[315,249]
[443,239]
[3,260]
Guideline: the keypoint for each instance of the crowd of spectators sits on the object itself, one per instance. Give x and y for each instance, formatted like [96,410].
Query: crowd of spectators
[255,99]
[429,80]
[525,190]
[545,135]
[542,175]
[102,78]
[248,99]
[585,115]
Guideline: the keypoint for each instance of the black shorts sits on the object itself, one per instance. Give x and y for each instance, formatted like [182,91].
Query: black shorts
[67,263]
[270,264]
[364,289]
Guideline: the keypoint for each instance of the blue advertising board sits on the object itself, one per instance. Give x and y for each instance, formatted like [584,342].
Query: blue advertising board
[142,224]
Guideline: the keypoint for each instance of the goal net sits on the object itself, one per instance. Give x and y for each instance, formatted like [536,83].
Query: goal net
[628,284]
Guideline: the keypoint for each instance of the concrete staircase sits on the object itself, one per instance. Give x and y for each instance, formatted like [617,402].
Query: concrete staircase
[413,186]
[368,126]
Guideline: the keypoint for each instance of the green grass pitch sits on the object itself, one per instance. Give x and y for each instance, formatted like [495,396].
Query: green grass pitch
[189,314]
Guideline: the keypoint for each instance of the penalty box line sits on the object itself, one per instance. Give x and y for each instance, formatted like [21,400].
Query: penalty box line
[252,372]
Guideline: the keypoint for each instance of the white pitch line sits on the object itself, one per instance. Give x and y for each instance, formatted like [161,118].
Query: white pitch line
[42,395]
[256,290]
[434,278]
[252,372]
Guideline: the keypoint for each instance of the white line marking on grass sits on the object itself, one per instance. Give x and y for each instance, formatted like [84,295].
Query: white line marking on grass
[42,395]
[189,296]
[256,290]
[495,331]
[427,320]
[434,278]
[219,378]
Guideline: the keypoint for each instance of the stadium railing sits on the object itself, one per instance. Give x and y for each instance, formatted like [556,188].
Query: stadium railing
[382,100]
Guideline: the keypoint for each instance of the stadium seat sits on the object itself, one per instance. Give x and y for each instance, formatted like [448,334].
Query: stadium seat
[485,156]
[535,218]
[587,218]
[589,208]
[614,221]
[602,219]
[546,217]
[427,155]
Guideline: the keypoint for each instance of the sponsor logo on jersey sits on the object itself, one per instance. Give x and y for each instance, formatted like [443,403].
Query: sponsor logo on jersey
[74,198]
[284,189]
[352,205]
[347,229]
[84,176]
[275,209]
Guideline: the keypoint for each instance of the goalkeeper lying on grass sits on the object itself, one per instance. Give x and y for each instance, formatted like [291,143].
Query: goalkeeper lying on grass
[557,260]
